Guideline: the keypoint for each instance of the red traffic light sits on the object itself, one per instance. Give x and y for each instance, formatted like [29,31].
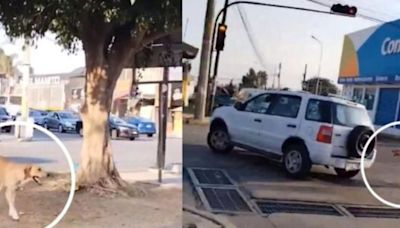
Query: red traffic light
[344,9]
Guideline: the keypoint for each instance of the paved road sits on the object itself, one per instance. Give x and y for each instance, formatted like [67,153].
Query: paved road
[129,155]
[259,178]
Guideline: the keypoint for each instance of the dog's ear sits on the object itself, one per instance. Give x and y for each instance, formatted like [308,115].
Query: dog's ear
[27,171]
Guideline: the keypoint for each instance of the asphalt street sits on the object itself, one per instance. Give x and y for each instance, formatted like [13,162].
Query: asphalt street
[259,178]
[129,156]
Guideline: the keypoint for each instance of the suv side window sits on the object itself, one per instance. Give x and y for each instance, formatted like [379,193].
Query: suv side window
[259,104]
[286,106]
[319,110]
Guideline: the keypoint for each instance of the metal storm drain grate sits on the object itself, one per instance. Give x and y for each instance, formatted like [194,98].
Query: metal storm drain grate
[206,176]
[224,200]
[270,207]
[370,212]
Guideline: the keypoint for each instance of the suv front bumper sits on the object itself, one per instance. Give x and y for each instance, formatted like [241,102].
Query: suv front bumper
[352,163]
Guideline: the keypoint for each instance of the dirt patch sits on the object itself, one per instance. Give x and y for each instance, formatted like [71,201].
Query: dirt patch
[41,204]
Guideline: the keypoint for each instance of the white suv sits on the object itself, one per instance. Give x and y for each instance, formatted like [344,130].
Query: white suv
[297,128]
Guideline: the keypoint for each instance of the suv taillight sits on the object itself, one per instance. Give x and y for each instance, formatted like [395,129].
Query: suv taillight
[325,134]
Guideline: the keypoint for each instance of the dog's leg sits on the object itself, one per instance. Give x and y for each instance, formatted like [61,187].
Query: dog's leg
[10,196]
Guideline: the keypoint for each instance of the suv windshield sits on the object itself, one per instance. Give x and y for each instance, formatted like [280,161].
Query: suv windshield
[3,112]
[117,120]
[350,116]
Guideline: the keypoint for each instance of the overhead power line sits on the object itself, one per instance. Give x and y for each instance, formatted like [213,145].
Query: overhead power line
[253,43]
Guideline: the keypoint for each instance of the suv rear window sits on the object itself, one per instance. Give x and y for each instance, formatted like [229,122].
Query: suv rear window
[339,114]
[350,116]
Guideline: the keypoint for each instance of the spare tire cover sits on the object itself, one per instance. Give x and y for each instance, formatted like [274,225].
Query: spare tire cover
[357,139]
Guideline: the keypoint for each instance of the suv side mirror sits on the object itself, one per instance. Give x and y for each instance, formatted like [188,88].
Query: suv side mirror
[239,106]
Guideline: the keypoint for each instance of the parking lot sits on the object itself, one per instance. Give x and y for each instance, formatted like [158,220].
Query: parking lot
[260,179]
[129,156]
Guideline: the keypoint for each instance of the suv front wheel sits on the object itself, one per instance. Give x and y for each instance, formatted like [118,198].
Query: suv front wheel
[218,140]
[296,161]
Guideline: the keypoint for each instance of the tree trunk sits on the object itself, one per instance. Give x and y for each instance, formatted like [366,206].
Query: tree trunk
[97,166]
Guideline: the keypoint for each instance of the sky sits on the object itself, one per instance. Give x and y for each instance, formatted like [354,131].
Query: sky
[47,57]
[283,36]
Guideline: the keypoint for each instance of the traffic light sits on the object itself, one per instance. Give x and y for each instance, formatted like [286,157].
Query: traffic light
[221,37]
[344,9]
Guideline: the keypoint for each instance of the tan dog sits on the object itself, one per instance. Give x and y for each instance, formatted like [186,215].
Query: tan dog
[396,153]
[13,176]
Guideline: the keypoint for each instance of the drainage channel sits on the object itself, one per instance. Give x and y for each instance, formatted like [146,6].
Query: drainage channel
[218,192]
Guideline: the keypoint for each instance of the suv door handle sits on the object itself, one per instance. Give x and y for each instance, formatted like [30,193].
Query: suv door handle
[257,120]
[291,125]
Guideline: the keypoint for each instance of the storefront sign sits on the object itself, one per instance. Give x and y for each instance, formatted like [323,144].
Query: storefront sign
[372,56]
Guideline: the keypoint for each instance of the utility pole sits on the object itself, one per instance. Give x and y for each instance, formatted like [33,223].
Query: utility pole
[213,84]
[279,75]
[162,117]
[202,84]
[25,133]
[304,88]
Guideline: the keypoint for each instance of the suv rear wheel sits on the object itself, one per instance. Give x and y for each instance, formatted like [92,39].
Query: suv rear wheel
[218,140]
[296,161]
[342,173]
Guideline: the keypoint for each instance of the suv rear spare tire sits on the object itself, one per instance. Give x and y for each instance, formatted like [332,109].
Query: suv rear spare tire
[296,161]
[357,139]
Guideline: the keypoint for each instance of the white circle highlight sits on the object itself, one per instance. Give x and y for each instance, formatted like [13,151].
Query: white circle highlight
[67,155]
[378,197]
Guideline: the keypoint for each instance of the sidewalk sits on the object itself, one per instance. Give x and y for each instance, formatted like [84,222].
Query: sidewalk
[170,178]
[189,119]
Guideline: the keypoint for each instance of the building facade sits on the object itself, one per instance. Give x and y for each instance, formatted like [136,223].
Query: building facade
[370,71]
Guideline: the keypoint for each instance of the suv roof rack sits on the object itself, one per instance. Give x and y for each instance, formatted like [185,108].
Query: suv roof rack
[339,96]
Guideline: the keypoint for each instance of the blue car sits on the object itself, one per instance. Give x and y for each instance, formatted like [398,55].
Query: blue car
[144,126]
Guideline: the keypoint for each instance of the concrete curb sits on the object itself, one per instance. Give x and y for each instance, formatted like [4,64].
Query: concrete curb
[192,121]
[223,223]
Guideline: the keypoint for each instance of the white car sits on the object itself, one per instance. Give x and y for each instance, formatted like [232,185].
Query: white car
[297,128]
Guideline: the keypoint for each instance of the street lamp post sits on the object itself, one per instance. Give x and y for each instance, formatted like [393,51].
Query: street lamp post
[319,64]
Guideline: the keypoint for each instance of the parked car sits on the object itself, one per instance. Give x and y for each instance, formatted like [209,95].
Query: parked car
[144,126]
[62,121]
[298,129]
[119,128]
[223,100]
[4,117]
[37,115]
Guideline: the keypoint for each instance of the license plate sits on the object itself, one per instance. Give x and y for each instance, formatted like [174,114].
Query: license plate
[148,125]
[352,166]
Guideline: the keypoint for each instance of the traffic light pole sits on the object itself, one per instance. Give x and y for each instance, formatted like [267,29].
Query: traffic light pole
[223,12]
[212,86]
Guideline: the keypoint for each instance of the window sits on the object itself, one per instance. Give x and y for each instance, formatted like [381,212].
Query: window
[350,116]
[287,106]
[369,98]
[259,104]
[3,111]
[358,95]
[319,110]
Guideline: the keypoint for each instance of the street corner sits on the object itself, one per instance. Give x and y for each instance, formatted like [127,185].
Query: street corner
[193,218]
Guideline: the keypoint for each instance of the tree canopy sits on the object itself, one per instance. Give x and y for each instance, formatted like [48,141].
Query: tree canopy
[253,79]
[119,21]
[325,86]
